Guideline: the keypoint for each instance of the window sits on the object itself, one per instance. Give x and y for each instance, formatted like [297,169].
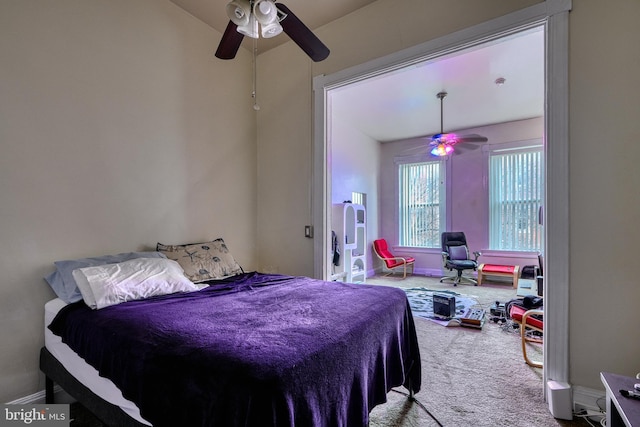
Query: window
[421,203]
[359,198]
[515,199]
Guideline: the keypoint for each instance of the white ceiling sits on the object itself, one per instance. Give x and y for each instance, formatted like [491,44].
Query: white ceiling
[403,104]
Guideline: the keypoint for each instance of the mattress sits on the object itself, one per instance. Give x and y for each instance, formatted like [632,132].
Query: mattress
[81,370]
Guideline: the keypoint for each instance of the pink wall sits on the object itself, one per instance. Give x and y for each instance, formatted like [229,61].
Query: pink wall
[468,191]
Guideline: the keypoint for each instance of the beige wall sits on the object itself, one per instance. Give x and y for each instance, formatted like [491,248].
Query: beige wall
[604,152]
[118,129]
[284,166]
[604,178]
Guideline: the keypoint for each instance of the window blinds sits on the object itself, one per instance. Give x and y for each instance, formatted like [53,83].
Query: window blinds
[515,197]
[420,203]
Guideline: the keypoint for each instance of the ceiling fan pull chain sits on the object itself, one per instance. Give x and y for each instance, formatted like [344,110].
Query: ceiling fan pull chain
[254,94]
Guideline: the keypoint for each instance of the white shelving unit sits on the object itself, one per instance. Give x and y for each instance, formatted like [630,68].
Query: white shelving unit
[350,224]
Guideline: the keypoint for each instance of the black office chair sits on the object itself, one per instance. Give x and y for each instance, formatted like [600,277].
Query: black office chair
[455,256]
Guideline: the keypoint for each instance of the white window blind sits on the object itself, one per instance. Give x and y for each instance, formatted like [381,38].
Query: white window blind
[359,198]
[421,200]
[515,199]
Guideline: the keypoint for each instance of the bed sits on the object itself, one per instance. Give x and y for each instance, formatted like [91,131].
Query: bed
[247,350]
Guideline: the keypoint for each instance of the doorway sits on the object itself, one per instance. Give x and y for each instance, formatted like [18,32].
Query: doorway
[495,91]
[555,24]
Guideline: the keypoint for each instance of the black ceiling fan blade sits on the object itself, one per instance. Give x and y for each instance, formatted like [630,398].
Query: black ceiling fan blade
[472,138]
[458,150]
[462,147]
[230,42]
[302,35]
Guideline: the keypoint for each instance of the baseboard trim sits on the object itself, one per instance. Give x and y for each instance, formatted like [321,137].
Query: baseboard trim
[427,272]
[38,397]
[588,398]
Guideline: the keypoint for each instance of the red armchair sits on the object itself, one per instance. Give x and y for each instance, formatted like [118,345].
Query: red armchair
[391,263]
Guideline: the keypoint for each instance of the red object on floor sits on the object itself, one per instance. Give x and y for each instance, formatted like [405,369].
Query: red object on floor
[532,320]
[512,271]
[494,268]
[516,313]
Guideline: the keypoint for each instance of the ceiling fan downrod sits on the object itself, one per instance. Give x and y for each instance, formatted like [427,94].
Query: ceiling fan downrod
[441,96]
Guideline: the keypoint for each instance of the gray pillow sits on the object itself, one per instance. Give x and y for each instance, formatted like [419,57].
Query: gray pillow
[63,283]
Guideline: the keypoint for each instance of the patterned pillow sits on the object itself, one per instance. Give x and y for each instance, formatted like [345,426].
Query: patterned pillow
[203,261]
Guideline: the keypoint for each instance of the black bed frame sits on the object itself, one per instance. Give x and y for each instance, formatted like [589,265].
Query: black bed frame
[107,413]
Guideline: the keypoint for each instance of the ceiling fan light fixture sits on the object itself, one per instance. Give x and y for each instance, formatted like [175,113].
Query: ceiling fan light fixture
[265,11]
[246,16]
[239,12]
[442,149]
[251,28]
[445,138]
[271,30]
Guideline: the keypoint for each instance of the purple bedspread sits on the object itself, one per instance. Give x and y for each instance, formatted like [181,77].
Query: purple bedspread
[256,350]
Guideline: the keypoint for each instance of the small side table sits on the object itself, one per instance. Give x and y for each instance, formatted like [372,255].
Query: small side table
[499,270]
[621,411]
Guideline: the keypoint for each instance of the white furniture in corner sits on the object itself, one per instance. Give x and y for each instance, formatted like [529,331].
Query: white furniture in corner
[350,224]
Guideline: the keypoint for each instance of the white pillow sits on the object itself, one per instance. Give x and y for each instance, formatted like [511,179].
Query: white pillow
[110,284]
[84,287]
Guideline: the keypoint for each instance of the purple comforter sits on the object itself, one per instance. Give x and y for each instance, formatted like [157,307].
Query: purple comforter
[255,350]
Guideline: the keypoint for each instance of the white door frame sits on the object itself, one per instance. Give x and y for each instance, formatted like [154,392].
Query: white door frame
[554,16]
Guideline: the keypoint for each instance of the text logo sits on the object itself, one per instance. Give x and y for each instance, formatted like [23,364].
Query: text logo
[35,415]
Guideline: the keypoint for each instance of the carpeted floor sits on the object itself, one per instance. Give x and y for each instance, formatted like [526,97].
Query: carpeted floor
[421,301]
[470,377]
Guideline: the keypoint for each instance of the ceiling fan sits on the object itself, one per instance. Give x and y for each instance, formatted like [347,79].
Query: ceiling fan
[245,15]
[442,144]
